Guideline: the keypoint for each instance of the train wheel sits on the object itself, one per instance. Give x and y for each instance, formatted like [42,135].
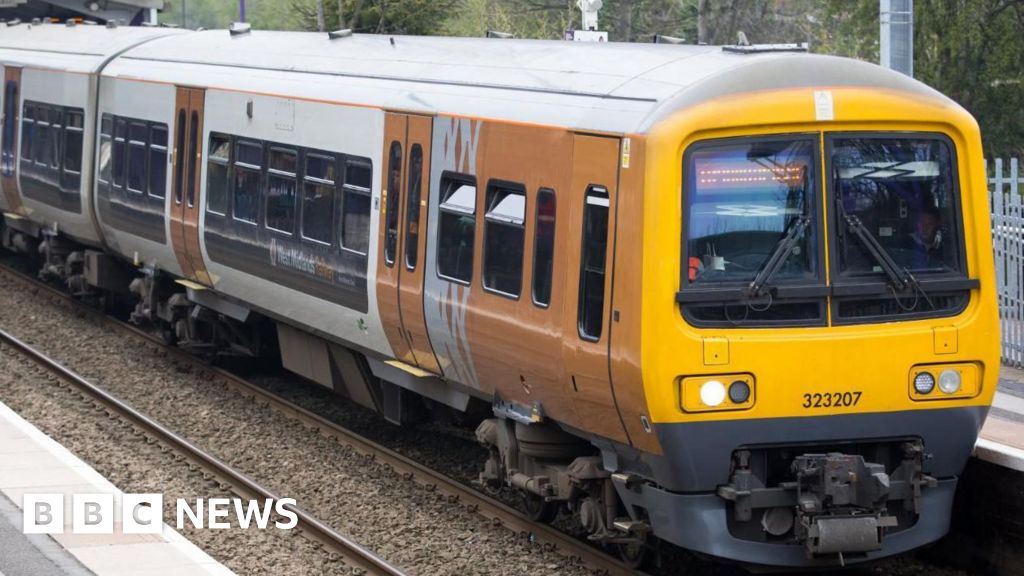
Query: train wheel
[538,509]
[633,554]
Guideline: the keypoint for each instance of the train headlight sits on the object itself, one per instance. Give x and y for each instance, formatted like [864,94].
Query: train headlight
[717,392]
[924,383]
[739,392]
[954,381]
[949,381]
[712,393]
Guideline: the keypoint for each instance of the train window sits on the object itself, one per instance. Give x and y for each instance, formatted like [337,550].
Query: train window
[157,160]
[136,157]
[74,122]
[590,313]
[56,130]
[412,207]
[544,247]
[909,207]
[897,192]
[106,135]
[217,179]
[117,163]
[504,238]
[10,113]
[193,148]
[392,196]
[281,184]
[43,146]
[28,124]
[248,161]
[456,230]
[179,156]
[355,208]
[318,198]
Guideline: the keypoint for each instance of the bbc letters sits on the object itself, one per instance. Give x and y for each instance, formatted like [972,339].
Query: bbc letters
[143,513]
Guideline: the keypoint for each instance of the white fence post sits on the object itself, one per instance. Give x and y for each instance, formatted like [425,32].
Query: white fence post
[1008,249]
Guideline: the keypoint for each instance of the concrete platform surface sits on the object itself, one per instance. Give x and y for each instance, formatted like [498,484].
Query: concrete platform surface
[33,463]
[1002,438]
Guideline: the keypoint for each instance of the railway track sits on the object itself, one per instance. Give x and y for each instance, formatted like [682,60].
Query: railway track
[431,480]
[353,553]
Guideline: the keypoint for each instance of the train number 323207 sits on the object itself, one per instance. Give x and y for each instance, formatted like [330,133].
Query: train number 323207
[831,400]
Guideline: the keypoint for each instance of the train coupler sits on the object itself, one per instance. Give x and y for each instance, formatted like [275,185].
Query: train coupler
[830,502]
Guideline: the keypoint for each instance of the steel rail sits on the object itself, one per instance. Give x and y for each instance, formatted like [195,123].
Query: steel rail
[475,500]
[242,484]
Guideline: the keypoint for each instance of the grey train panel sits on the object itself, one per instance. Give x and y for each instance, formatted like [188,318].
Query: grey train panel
[139,220]
[320,271]
[42,190]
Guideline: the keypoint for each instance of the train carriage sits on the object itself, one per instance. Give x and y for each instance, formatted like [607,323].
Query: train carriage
[49,102]
[735,298]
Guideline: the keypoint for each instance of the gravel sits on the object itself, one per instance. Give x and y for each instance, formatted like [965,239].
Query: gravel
[135,463]
[404,523]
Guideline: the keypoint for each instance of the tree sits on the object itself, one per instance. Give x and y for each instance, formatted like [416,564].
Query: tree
[415,17]
[640,20]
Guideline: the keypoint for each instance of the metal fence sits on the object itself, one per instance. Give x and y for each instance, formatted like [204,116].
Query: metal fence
[1005,191]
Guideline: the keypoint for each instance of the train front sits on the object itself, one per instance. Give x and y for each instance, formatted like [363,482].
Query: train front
[820,341]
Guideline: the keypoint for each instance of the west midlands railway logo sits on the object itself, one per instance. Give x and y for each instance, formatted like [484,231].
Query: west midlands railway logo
[143,513]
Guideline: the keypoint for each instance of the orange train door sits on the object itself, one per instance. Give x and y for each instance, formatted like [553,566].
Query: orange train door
[587,310]
[187,166]
[9,147]
[403,238]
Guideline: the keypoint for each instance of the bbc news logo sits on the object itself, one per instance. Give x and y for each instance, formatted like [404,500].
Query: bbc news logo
[143,513]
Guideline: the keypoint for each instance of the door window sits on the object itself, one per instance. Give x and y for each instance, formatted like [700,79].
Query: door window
[391,209]
[412,209]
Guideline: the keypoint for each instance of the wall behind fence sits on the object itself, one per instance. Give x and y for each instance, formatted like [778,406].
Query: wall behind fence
[1005,187]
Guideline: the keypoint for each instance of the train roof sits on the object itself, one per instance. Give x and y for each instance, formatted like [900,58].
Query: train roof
[612,87]
[80,48]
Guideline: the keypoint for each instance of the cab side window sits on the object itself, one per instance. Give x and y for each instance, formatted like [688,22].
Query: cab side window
[590,313]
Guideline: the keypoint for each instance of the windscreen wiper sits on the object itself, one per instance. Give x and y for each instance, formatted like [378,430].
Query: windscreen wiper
[900,277]
[758,287]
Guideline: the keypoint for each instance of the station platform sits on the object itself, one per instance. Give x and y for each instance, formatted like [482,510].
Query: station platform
[1002,438]
[33,463]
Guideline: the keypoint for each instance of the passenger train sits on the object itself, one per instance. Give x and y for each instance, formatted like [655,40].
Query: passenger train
[740,298]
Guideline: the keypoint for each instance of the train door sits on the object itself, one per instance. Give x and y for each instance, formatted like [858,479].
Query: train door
[587,313]
[187,165]
[403,237]
[9,138]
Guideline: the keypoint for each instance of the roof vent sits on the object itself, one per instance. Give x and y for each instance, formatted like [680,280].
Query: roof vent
[13,22]
[111,23]
[335,34]
[37,21]
[502,35]
[239,28]
[759,48]
[71,23]
[662,39]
